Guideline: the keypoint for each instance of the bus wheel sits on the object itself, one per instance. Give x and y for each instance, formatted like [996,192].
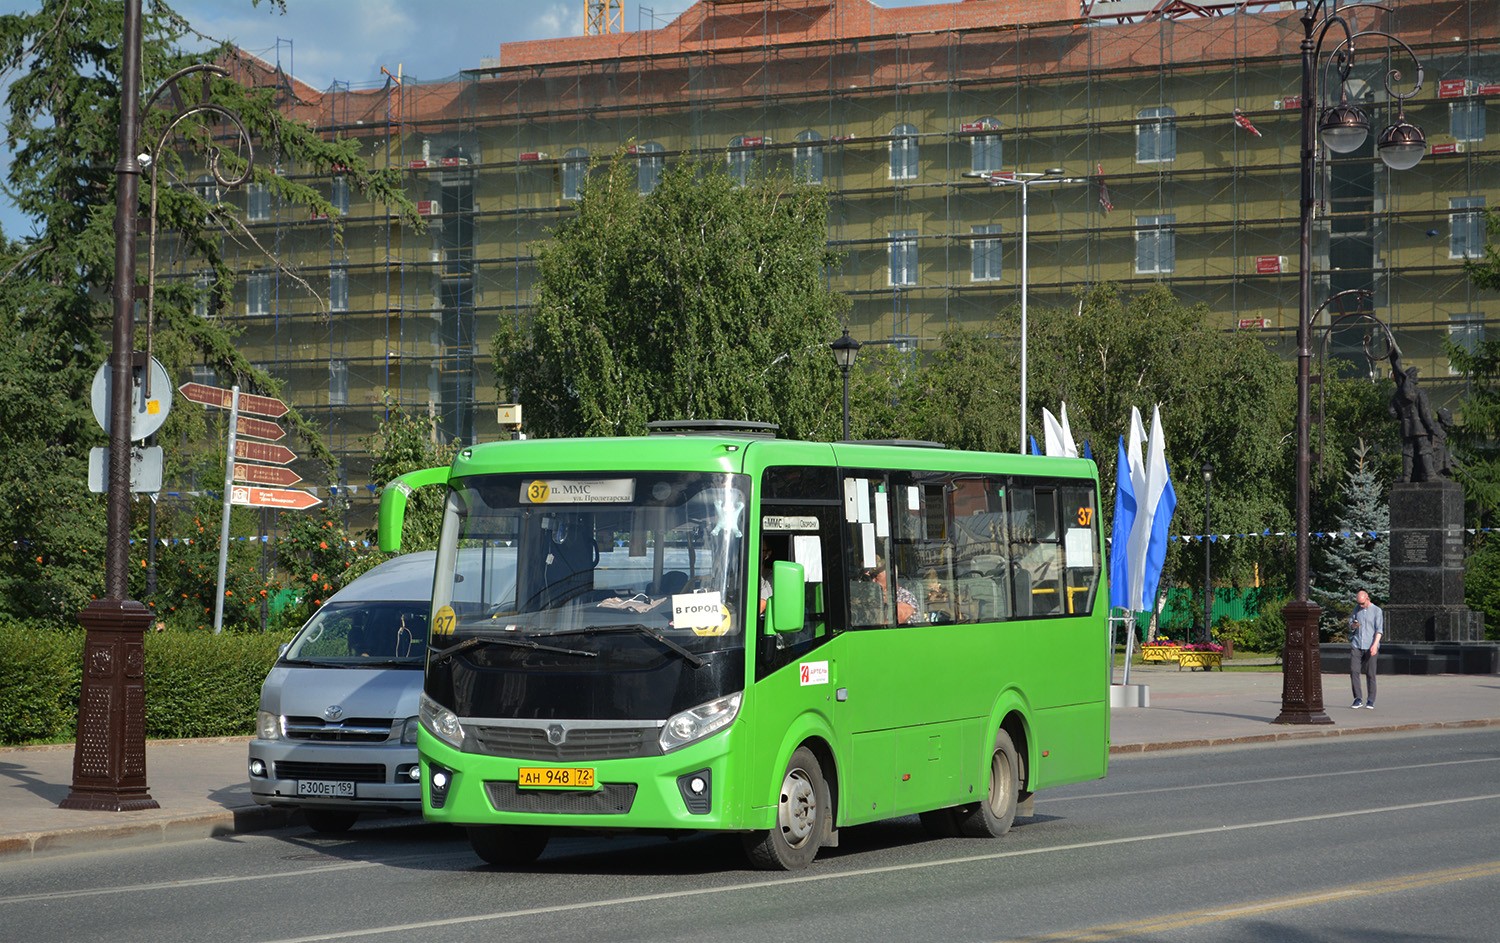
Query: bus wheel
[992,817]
[329,821]
[510,846]
[803,817]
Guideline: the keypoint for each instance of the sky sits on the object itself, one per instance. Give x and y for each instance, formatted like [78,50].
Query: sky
[323,41]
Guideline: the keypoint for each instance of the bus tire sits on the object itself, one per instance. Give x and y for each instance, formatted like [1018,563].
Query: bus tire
[804,815]
[509,846]
[329,821]
[992,817]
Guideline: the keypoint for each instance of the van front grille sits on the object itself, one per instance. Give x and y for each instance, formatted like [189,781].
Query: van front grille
[336,772]
[352,730]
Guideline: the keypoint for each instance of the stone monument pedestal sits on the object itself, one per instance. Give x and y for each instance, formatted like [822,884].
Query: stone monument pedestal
[1427,568]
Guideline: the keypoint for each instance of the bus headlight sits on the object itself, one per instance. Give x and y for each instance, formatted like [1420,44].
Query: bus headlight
[695,723]
[441,722]
[267,725]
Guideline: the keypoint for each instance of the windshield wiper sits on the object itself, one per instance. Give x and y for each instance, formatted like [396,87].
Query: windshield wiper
[691,658]
[443,654]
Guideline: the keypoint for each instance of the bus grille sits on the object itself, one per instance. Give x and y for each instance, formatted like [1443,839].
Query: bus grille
[353,730]
[583,744]
[342,772]
[608,799]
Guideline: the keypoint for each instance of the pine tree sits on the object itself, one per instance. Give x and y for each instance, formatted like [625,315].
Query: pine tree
[1360,560]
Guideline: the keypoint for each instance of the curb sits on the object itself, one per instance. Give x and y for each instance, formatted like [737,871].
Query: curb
[158,832]
[1314,733]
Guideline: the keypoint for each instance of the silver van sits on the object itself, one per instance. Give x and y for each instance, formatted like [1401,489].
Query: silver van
[336,733]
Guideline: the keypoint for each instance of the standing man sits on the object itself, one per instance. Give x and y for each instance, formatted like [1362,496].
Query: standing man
[1365,628]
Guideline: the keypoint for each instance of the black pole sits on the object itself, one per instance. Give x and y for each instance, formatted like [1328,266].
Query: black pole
[1207,573]
[845,369]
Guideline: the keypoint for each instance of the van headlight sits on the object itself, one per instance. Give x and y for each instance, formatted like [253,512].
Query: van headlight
[267,725]
[409,730]
[441,722]
[695,723]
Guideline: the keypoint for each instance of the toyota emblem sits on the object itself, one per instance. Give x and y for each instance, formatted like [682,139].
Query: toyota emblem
[334,712]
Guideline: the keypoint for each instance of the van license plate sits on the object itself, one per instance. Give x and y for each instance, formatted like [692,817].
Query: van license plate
[321,787]
[556,777]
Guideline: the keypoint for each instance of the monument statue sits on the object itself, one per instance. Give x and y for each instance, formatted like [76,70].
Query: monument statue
[1424,436]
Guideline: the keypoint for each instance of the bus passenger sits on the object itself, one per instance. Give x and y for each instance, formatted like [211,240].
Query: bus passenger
[907,611]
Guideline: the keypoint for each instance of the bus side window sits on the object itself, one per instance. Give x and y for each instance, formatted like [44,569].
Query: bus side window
[1036,550]
[1081,564]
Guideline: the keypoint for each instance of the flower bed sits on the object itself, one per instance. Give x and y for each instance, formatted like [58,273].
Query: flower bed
[1160,651]
[1203,656]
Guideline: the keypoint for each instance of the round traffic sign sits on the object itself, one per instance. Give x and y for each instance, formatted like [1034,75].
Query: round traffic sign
[146,414]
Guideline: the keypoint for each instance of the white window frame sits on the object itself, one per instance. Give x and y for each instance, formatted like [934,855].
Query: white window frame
[258,202]
[1466,120]
[207,189]
[575,165]
[258,293]
[905,160]
[338,194]
[649,166]
[902,257]
[338,286]
[1466,230]
[1156,135]
[985,152]
[1156,248]
[807,161]
[739,160]
[204,374]
[338,382]
[203,282]
[985,253]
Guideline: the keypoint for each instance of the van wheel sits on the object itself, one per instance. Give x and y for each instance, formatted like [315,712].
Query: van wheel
[509,846]
[804,816]
[329,821]
[993,817]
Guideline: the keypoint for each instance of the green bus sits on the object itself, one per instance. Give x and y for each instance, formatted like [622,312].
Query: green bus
[711,628]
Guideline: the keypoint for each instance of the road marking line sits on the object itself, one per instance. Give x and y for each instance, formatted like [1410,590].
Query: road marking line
[865,872]
[1192,918]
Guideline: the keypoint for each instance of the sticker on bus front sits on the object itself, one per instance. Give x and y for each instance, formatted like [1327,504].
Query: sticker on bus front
[443,621]
[813,672]
[697,611]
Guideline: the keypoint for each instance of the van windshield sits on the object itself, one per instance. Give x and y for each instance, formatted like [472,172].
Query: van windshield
[363,635]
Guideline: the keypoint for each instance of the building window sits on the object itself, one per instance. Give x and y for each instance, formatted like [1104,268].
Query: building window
[258,201]
[258,293]
[203,374]
[985,248]
[207,189]
[904,257]
[1465,331]
[648,167]
[904,152]
[1466,227]
[984,149]
[740,160]
[338,287]
[1155,244]
[1156,136]
[1466,120]
[574,166]
[203,299]
[807,158]
[338,383]
[339,194]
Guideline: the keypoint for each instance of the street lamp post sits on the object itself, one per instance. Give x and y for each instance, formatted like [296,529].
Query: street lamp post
[845,349]
[1024,180]
[1344,128]
[1208,478]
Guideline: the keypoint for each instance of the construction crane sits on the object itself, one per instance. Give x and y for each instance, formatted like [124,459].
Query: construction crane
[604,16]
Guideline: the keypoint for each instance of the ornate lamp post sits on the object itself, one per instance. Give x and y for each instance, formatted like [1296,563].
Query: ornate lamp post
[1344,128]
[1024,180]
[1208,586]
[845,349]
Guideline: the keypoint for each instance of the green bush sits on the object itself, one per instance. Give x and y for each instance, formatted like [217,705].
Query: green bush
[197,684]
[1264,633]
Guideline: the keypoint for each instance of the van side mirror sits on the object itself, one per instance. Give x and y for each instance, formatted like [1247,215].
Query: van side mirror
[787,612]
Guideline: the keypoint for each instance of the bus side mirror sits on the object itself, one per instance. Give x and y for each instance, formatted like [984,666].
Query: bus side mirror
[787,612]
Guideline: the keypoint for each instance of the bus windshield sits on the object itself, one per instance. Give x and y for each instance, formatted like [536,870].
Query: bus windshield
[578,562]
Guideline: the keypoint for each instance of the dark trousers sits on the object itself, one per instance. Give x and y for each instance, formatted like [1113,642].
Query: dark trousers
[1361,662]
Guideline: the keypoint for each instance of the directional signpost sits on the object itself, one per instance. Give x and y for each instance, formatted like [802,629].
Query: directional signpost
[265,474]
[272,498]
[218,396]
[259,428]
[264,452]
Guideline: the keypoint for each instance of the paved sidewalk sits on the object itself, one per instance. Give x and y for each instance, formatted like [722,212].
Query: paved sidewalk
[202,787]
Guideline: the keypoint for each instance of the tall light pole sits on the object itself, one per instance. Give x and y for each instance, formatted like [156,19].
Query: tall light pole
[1025,180]
[1344,128]
[1208,586]
[845,349]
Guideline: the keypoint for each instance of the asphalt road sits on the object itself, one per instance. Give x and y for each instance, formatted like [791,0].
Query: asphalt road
[1376,839]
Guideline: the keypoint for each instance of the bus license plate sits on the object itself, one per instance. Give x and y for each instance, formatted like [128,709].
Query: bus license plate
[325,788]
[556,777]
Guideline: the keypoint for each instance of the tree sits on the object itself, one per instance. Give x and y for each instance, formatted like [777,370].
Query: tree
[62,113]
[1354,560]
[701,300]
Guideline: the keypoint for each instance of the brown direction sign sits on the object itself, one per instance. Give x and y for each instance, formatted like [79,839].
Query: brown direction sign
[273,498]
[206,395]
[263,452]
[265,475]
[259,428]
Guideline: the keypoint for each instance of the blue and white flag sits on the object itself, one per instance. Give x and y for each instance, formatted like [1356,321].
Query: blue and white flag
[1156,503]
[1057,435]
[1119,555]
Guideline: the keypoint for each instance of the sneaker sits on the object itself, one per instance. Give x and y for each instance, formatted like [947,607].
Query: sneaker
[1357,704]
[1370,705]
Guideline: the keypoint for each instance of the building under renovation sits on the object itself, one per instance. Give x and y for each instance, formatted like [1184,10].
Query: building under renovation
[1176,125]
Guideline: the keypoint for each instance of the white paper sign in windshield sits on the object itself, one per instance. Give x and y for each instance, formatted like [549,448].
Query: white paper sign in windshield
[697,611]
[566,491]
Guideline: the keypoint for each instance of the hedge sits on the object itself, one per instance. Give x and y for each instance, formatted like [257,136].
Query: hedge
[197,684]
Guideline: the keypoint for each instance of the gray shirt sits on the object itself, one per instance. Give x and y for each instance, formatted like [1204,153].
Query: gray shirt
[1364,625]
